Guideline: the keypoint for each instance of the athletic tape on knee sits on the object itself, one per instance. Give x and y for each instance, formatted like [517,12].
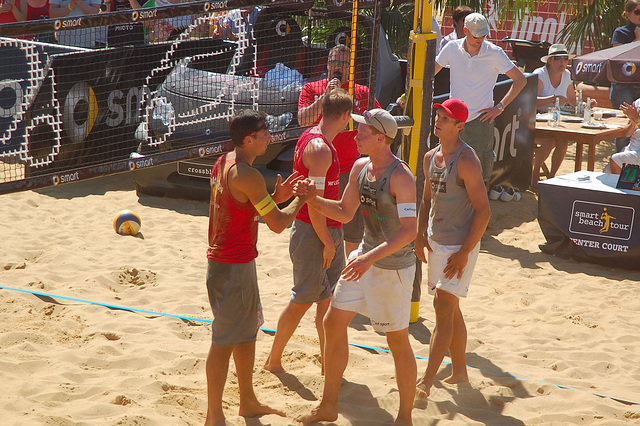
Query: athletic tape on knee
[407,210]
[319,182]
[265,206]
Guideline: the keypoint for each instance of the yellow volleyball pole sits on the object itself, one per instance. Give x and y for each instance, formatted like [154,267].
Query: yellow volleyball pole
[420,90]
[352,58]
[418,106]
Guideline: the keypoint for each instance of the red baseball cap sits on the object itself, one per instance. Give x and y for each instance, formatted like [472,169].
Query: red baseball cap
[455,109]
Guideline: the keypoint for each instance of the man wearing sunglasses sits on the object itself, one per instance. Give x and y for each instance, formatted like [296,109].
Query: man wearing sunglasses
[378,278]
[475,65]
[316,246]
[238,196]
[310,112]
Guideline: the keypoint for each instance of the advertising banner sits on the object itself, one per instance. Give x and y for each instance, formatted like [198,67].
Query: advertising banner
[583,216]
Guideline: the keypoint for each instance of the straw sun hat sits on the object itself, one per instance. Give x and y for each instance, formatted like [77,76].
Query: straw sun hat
[556,50]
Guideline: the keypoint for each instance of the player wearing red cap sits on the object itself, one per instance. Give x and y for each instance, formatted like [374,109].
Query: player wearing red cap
[456,209]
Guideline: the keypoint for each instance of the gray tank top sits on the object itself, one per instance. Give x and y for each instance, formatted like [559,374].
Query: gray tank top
[381,220]
[451,211]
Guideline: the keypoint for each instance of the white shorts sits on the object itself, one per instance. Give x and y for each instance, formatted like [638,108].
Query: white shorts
[437,261]
[626,156]
[383,295]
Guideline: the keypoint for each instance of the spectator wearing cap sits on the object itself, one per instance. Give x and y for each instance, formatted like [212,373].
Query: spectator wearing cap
[554,82]
[475,65]
[452,217]
[378,278]
[458,15]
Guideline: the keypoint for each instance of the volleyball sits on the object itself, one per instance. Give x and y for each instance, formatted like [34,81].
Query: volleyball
[127,222]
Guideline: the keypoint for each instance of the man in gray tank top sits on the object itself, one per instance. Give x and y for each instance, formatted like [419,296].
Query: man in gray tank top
[378,278]
[456,208]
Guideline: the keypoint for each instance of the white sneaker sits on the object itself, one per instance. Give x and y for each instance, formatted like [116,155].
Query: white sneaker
[510,194]
[496,192]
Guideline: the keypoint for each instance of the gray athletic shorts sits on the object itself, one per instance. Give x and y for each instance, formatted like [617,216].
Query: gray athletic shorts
[235,302]
[479,136]
[354,230]
[311,282]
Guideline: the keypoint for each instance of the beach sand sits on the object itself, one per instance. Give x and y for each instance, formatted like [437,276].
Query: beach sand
[551,341]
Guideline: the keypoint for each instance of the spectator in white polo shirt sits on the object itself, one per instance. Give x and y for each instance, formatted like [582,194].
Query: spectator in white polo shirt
[475,65]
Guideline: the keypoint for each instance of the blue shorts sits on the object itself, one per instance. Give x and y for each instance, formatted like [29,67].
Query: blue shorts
[235,302]
[311,282]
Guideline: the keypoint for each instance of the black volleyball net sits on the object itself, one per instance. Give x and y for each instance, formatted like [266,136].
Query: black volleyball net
[90,95]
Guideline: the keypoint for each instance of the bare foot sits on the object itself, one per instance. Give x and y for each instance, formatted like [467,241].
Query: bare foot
[211,421]
[272,366]
[403,422]
[459,378]
[320,414]
[255,409]
[422,390]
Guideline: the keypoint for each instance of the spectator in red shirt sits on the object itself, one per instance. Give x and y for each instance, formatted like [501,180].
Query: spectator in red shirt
[310,112]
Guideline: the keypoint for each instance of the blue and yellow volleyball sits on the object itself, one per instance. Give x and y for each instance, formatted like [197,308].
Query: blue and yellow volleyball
[127,222]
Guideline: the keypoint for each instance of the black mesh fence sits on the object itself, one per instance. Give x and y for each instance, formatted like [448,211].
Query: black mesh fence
[124,89]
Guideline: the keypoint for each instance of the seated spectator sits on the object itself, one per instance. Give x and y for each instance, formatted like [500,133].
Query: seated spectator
[84,37]
[630,154]
[35,10]
[459,13]
[554,82]
[10,12]
[170,28]
[238,21]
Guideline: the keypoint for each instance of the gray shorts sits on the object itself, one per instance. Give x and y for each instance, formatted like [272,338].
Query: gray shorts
[479,136]
[235,302]
[311,282]
[354,230]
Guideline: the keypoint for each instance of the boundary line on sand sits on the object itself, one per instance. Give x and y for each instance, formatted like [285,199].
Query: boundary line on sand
[268,330]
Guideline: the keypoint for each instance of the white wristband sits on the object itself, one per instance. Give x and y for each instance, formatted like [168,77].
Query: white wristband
[319,182]
[407,210]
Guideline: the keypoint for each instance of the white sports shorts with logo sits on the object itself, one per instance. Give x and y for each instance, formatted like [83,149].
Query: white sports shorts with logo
[383,295]
[437,261]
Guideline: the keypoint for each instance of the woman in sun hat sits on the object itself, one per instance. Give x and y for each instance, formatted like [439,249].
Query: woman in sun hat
[554,82]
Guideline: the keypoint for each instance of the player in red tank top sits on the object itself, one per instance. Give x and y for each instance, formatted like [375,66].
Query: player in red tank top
[238,195]
[316,244]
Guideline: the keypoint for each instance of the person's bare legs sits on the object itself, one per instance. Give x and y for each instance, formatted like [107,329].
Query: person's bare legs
[615,169]
[321,311]
[244,357]
[541,154]
[287,324]
[336,354]
[558,157]
[406,373]
[445,305]
[217,368]
[458,350]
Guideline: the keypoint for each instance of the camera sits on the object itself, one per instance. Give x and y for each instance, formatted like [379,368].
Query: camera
[103,6]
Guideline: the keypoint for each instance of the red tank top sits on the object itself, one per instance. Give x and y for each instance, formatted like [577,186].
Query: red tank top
[233,226]
[35,13]
[332,180]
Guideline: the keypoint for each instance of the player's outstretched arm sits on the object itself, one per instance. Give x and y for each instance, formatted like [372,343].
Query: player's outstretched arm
[250,182]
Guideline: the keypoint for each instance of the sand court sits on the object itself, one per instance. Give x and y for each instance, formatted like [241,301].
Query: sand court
[102,329]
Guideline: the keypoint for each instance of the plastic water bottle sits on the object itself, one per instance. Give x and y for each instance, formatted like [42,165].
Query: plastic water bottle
[587,111]
[579,106]
[554,114]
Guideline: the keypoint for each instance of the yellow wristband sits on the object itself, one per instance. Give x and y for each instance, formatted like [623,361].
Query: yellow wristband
[70,8]
[638,123]
[265,206]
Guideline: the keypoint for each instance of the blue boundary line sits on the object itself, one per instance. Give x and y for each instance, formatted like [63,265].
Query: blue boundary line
[268,330]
